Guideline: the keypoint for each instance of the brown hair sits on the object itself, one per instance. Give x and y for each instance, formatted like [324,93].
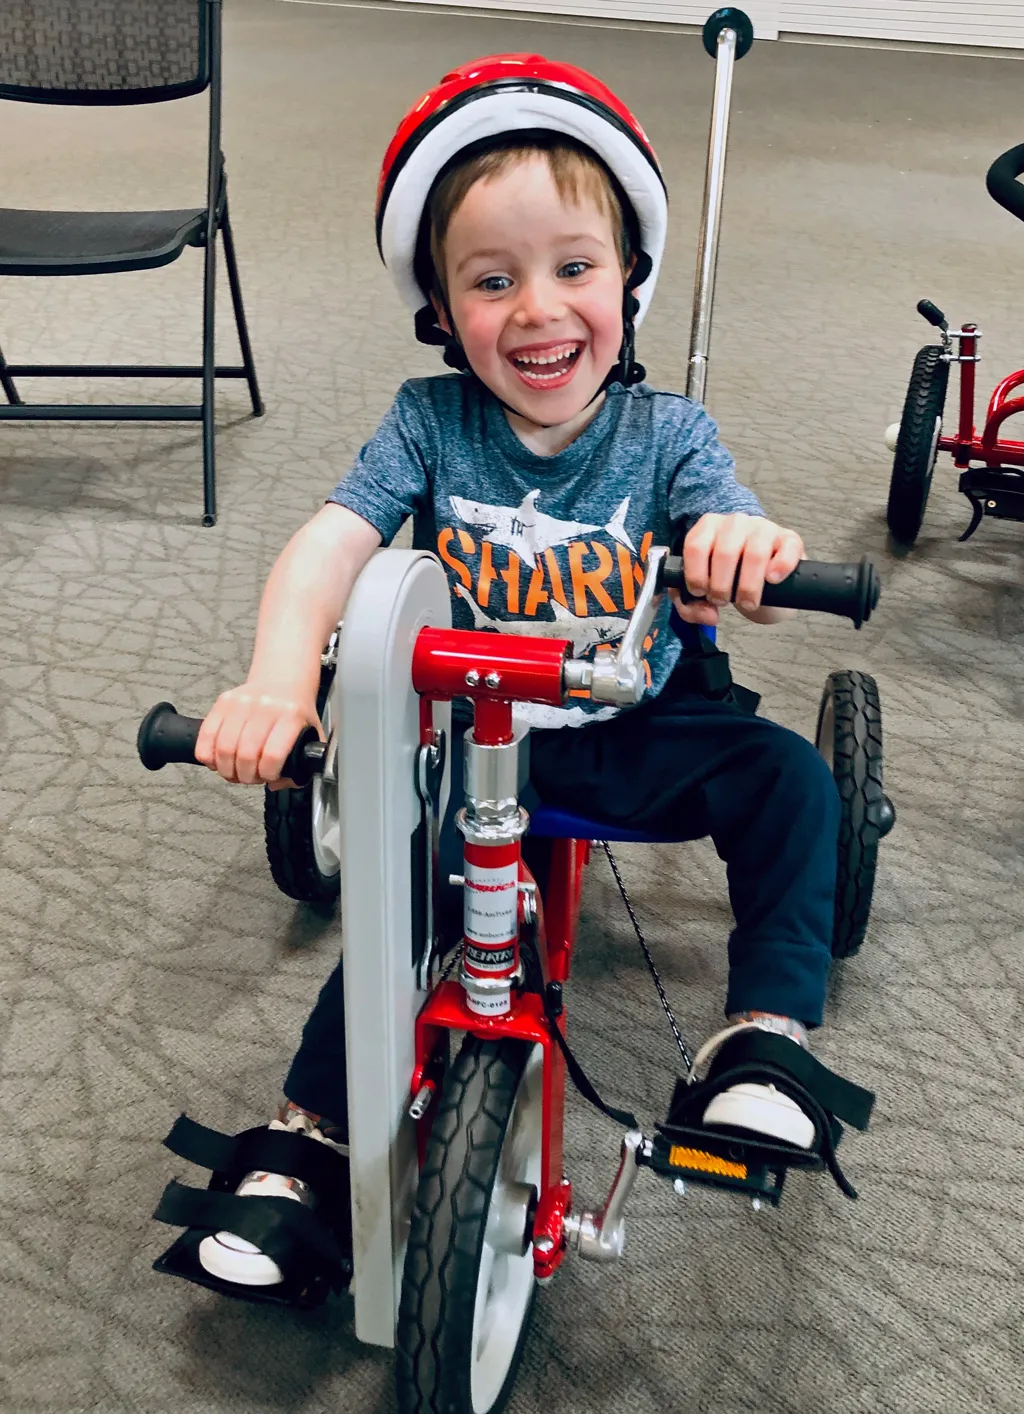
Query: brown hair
[578,175]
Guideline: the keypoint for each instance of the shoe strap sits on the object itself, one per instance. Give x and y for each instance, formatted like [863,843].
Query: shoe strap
[319,1166]
[298,1122]
[715,1043]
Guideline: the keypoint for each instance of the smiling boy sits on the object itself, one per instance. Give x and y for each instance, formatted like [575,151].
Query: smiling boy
[522,213]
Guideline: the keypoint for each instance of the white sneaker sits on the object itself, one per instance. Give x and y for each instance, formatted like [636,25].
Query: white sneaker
[233,1258]
[760,1108]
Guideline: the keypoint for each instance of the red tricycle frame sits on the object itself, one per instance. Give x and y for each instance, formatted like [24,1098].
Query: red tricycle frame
[966,445]
[446,661]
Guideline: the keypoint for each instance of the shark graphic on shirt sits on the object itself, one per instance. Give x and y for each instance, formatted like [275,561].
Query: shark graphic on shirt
[583,633]
[528,532]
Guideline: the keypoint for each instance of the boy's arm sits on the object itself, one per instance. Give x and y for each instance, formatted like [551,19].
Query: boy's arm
[250,729]
[728,529]
[305,596]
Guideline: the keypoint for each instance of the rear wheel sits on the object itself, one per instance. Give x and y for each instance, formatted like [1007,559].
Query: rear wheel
[303,829]
[468,1285]
[849,737]
[917,445]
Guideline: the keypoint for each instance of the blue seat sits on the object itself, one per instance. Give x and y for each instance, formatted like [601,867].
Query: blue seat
[548,822]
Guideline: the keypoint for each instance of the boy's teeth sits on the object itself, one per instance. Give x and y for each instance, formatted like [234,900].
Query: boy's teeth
[555,356]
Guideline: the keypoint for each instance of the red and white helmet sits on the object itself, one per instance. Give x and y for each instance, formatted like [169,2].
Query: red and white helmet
[497,97]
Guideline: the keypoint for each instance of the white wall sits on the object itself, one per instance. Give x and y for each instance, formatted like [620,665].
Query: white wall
[764,13]
[999,23]
[989,23]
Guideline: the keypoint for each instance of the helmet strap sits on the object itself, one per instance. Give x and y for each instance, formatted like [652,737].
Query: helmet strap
[627,371]
[428,331]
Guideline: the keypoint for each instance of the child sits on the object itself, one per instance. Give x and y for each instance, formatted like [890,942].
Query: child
[522,212]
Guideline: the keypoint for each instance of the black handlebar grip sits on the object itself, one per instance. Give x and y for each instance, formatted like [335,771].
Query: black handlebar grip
[1002,184]
[166,736]
[932,313]
[729,18]
[849,590]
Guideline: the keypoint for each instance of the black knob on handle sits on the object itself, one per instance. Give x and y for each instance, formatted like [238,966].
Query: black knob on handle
[849,590]
[166,736]
[729,18]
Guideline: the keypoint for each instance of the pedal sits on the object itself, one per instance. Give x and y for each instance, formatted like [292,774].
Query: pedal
[722,1156]
[727,1159]
[311,1247]
[182,1260]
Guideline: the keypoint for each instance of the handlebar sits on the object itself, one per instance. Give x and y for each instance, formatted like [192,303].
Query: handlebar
[1002,183]
[166,736]
[615,676]
[849,590]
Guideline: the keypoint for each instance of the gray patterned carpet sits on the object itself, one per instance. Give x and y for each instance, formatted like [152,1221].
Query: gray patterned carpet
[148,964]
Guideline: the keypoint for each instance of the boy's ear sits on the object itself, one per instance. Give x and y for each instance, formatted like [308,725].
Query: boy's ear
[442,314]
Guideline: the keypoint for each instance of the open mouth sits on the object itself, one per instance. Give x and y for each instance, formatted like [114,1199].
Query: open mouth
[548,368]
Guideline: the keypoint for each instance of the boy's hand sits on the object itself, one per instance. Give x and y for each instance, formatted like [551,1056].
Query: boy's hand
[717,546]
[249,732]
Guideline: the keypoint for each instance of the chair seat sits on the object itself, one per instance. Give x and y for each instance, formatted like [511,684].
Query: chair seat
[94,242]
[550,823]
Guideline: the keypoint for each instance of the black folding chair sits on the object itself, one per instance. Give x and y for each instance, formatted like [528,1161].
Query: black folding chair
[111,52]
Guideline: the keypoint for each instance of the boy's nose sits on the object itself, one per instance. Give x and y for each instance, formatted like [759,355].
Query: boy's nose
[539,304]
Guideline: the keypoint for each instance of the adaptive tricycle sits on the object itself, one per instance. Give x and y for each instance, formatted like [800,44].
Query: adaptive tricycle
[996,488]
[453,1200]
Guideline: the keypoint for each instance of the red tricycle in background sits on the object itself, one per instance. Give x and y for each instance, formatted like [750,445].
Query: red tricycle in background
[995,488]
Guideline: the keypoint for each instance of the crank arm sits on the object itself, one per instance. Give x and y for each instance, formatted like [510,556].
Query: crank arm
[601,1236]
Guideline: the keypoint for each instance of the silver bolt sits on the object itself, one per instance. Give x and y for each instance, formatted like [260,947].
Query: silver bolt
[472,678]
[544,1243]
[493,679]
[457,881]
[421,1103]
[755,1203]
[680,1187]
[991,505]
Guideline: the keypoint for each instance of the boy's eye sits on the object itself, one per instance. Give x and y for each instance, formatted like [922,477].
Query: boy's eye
[494,284]
[574,269]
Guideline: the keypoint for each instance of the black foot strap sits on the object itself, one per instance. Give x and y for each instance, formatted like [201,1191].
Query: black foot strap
[312,1246]
[760,1057]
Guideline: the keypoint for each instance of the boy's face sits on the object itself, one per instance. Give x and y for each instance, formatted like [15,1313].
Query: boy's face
[535,289]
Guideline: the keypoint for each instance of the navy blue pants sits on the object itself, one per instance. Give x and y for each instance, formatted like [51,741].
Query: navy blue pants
[693,767]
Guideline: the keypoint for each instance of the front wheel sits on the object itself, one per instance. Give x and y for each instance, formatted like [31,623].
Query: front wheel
[917,444]
[849,737]
[468,1284]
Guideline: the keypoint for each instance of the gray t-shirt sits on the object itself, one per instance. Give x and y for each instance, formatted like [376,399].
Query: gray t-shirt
[552,546]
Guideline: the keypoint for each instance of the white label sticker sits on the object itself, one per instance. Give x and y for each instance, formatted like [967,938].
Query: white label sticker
[491,903]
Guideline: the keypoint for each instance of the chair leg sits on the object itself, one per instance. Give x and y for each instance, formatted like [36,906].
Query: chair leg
[209,384]
[243,329]
[7,383]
